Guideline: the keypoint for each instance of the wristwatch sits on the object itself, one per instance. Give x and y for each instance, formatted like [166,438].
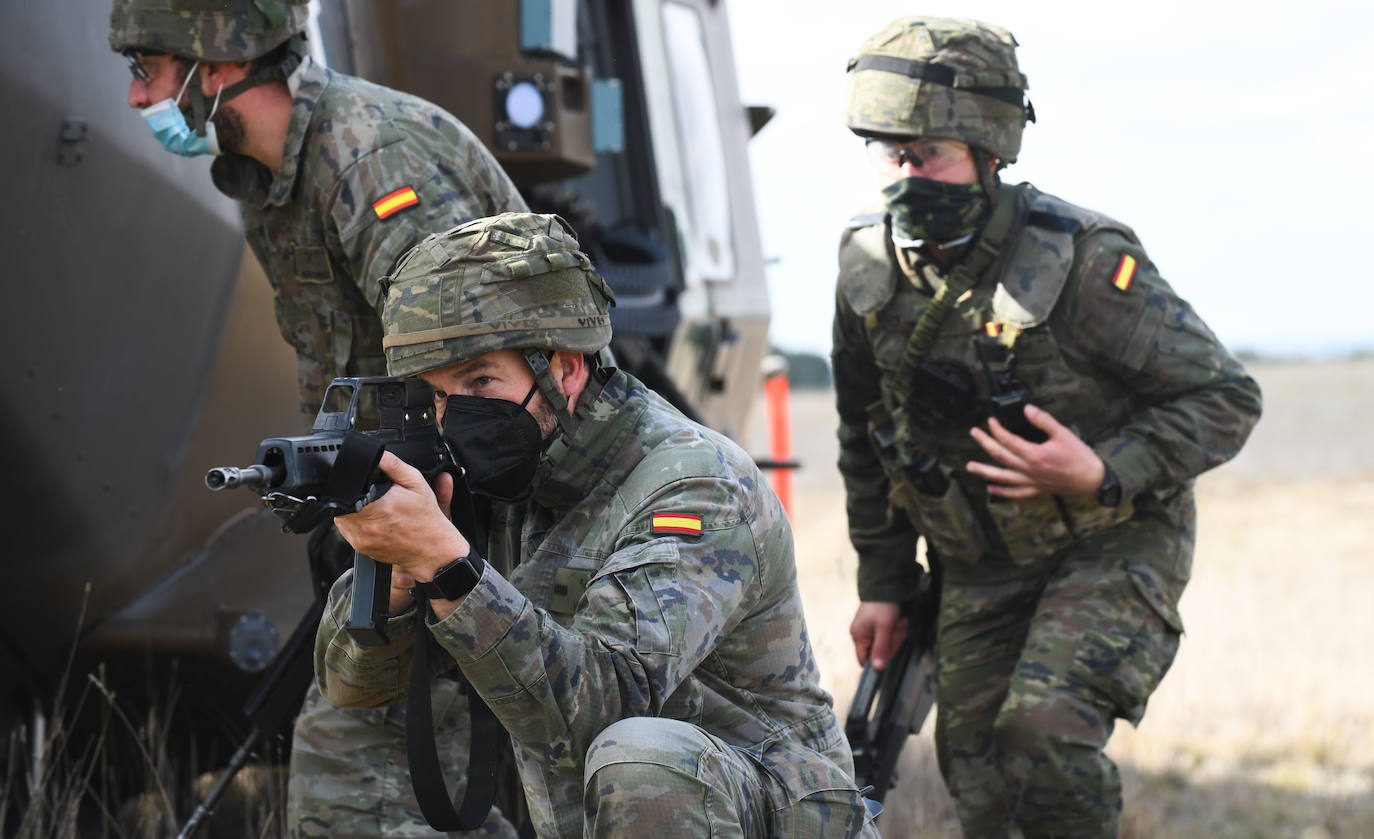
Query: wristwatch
[1109,491]
[455,579]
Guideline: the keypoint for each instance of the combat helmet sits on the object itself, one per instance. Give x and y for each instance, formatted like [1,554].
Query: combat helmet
[941,78]
[516,281]
[206,30]
[213,31]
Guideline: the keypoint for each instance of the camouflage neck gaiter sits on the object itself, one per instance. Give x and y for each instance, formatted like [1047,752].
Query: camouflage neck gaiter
[927,210]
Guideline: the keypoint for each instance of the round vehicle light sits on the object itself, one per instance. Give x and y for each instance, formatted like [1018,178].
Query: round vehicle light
[524,105]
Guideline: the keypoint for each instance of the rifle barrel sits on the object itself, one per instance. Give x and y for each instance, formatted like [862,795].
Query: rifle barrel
[256,477]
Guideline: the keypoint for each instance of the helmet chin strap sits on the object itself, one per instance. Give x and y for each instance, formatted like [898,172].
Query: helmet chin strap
[200,115]
[987,175]
[543,379]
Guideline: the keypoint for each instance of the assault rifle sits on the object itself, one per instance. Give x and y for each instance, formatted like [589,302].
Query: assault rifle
[307,481]
[333,471]
[892,703]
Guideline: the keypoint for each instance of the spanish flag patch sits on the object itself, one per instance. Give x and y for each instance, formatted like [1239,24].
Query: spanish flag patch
[395,202]
[1125,272]
[677,523]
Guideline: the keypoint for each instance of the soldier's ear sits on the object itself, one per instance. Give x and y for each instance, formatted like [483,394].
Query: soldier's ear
[213,75]
[570,372]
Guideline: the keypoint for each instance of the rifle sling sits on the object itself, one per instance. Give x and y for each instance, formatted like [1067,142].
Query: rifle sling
[426,775]
[422,753]
[982,254]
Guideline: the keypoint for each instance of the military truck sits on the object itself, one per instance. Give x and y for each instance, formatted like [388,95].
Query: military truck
[142,350]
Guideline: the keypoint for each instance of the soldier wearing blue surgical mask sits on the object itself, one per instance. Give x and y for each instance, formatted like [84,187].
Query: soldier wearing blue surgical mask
[234,80]
[173,94]
[168,122]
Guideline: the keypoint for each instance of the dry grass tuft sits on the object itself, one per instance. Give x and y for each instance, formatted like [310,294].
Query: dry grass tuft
[68,773]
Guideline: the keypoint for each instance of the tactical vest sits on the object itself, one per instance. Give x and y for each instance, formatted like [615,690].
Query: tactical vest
[998,332]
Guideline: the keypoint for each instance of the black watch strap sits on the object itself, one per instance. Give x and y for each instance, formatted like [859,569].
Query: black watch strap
[454,580]
[1109,491]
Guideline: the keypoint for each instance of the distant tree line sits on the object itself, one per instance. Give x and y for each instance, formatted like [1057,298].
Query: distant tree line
[806,371]
[811,371]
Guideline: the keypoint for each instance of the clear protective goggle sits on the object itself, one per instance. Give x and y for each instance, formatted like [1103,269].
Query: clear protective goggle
[921,153]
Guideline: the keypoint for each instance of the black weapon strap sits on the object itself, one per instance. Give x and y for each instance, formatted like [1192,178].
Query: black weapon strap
[422,752]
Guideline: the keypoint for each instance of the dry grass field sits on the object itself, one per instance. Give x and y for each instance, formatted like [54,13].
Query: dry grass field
[1264,727]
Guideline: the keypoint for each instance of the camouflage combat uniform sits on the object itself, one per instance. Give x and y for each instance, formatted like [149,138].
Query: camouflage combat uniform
[351,144]
[365,172]
[325,250]
[1059,614]
[653,671]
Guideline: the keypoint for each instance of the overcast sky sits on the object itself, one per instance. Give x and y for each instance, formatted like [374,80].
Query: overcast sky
[1234,140]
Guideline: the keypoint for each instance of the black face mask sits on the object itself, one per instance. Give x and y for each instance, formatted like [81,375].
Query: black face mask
[496,441]
[935,211]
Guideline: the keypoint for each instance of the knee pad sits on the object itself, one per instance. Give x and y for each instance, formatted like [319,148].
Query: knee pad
[648,744]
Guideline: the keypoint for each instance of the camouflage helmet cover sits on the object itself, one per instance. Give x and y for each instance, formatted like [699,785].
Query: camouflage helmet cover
[512,281]
[206,30]
[940,78]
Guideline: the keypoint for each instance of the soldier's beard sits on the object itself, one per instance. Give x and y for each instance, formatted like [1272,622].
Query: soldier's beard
[230,129]
[543,414]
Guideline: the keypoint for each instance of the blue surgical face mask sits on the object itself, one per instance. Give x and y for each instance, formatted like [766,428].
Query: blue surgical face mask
[170,128]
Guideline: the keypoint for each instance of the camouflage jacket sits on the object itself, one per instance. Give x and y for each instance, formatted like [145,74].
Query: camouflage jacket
[1072,309]
[650,573]
[337,215]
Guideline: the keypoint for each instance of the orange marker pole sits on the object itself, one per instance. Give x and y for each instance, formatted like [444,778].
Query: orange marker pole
[775,391]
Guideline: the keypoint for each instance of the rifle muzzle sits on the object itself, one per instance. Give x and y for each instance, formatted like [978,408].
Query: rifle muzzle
[256,477]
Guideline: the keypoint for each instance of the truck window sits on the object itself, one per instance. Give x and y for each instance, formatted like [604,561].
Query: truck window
[709,241]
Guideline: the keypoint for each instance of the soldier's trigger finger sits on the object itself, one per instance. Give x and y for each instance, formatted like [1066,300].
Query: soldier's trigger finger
[862,635]
[898,636]
[861,649]
[400,472]
[886,644]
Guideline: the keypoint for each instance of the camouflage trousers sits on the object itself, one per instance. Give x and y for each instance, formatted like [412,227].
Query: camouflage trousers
[1036,664]
[349,777]
[662,777]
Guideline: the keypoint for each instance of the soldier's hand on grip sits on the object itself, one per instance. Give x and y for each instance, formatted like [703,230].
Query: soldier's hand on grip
[408,527]
[878,629]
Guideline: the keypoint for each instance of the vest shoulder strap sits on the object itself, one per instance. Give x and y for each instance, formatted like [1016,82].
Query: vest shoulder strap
[867,278]
[1034,276]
